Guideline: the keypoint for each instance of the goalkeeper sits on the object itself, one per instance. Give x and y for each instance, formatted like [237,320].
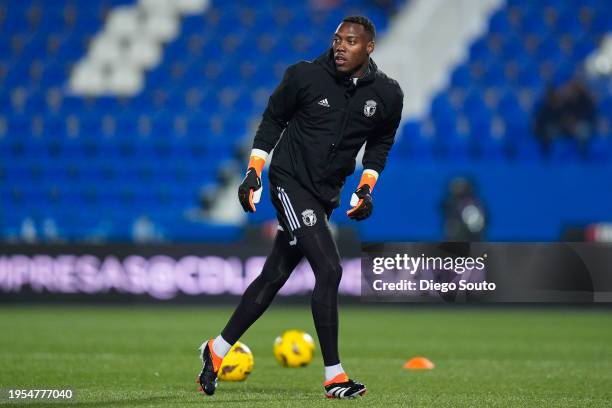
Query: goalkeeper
[317,120]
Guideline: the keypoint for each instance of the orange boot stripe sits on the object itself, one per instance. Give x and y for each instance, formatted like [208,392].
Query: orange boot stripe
[215,358]
[340,378]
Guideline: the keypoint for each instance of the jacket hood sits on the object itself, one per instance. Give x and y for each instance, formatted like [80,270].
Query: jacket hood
[326,60]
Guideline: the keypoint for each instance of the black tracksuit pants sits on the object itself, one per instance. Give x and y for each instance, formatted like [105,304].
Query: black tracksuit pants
[303,232]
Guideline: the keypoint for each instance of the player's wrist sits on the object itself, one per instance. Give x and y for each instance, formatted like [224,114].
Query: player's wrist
[369,178]
[257,160]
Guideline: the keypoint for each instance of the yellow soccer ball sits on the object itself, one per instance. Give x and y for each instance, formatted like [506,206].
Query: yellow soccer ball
[237,364]
[294,348]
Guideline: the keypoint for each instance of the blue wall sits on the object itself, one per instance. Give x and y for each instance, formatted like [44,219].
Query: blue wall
[524,201]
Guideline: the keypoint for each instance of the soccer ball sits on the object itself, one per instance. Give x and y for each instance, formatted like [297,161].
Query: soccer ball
[237,364]
[294,348]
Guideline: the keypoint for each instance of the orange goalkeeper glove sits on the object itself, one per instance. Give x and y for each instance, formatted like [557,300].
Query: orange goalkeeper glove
[249,191]
[361,199]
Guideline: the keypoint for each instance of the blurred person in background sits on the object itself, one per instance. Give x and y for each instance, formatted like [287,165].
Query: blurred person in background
[578,111]
[546,125]
[566,111]
[325,111]
[463,212]
[465,221]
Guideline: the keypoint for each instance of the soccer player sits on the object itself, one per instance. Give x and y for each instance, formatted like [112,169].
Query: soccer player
[317,120]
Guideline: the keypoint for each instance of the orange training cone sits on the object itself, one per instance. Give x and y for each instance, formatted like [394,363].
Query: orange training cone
[419,363]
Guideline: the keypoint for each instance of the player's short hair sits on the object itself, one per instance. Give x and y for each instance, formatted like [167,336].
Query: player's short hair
[367,24]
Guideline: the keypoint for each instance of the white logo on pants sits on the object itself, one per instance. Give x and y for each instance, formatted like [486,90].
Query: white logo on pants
[309,217]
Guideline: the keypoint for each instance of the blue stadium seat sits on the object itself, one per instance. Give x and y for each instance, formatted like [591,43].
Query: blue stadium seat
[533,24]
[499,22]
[460,76]
[513,48]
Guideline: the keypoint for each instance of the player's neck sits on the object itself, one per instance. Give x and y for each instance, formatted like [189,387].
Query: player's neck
[362,70]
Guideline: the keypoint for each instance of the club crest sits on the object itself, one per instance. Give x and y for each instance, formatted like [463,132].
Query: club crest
[309,217]
[369,109]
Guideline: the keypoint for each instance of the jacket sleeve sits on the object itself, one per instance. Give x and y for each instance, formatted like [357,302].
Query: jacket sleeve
[281,106]
[380,141]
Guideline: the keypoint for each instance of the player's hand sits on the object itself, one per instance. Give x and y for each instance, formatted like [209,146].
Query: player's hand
[361,201]
[249,192]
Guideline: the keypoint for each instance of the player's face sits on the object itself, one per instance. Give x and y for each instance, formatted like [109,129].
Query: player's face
[352,46]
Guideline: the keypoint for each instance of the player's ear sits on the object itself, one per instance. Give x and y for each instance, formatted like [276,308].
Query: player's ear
[370,47]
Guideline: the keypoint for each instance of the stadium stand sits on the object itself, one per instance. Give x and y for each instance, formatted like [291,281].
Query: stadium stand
[91,166]
[486,111]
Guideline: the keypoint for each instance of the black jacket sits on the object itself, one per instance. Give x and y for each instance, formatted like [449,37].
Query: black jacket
[327,118]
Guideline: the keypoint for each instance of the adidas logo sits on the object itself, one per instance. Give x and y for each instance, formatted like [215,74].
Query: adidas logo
[323,102]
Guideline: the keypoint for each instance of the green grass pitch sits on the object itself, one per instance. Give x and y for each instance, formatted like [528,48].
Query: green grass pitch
[147,356]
